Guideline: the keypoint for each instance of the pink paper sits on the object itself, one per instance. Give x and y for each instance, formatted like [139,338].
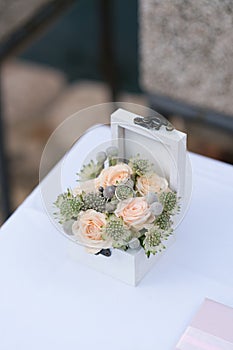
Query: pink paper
[211,329]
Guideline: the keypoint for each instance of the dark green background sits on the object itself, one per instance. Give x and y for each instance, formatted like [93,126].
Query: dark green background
[72,43]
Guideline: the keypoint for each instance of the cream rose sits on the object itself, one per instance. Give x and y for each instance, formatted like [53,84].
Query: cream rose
[85,186]
[88,230]
[114,174]
[135,212]
[151,183]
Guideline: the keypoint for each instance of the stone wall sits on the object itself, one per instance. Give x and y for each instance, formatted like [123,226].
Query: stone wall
[186,49]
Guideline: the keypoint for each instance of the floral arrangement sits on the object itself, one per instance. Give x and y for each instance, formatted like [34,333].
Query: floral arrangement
[118,204]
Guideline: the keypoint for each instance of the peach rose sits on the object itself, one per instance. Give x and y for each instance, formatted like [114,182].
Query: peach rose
[88,230]
[151,183]
[135,212]
[86,186]
[114,174]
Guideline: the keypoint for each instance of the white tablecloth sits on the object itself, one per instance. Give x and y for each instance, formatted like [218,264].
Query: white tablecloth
[49,302]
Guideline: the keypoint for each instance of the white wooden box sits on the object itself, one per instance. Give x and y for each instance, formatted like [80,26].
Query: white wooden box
[127,266]
[168,147]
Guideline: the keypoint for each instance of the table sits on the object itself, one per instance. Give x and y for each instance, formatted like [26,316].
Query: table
[49,302]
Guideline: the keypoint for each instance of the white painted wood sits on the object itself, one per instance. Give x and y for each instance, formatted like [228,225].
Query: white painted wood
[127,266]
[166,149]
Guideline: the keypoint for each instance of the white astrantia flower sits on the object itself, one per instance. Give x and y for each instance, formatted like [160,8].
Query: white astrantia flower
[153,241]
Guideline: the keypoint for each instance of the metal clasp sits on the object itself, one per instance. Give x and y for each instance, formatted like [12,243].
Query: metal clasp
[153,123]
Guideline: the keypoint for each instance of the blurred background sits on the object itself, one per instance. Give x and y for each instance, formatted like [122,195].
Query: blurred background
[58,57]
